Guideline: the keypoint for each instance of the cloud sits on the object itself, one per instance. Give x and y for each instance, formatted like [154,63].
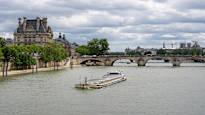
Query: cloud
[189,4]
[126,23]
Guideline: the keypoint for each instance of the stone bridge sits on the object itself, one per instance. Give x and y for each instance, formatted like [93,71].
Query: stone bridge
[140,60]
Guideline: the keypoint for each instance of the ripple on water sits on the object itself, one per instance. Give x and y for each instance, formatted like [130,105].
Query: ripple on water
[148,91]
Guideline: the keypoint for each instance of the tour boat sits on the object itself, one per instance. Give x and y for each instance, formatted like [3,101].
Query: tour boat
[108,79]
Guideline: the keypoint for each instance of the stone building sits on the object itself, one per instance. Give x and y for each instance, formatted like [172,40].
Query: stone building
[33,31]
[9,41]
[70,47]
[63,41]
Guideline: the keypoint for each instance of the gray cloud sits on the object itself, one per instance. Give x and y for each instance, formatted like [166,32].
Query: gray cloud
[129,23]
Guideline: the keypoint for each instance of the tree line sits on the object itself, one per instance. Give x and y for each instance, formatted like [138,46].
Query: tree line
[181,52]
[172,52]
[26,56]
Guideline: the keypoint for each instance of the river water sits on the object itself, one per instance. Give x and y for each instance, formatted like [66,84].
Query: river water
[150,90]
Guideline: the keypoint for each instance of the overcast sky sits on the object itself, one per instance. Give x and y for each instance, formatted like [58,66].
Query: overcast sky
[126,23]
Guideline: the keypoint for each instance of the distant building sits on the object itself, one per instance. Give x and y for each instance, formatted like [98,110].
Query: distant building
[70,47]
[139,49]
[150,52]
[128,50]
[33,31]
[189,45]
[164,46]
[196,45]
[203,49]
[182,45]
[9,41]
[62,40]
[74,45]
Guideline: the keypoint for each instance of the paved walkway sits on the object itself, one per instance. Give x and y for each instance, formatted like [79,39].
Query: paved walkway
[19,72]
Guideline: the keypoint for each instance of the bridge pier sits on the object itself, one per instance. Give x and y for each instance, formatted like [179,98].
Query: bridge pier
[141,63]
[107,62]
[176,63]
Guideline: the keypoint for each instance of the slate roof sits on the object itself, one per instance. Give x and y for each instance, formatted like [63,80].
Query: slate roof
[62,40]
[31,26]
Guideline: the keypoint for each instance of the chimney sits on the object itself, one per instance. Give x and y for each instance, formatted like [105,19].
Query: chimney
[45,22]
[19,22]
[37,23]
[60,35]
[24,23]
[64,36]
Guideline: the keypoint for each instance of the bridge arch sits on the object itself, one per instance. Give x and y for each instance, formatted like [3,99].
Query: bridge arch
[113,61]
[160,58]
[90,61]
[165,59]
[142,61]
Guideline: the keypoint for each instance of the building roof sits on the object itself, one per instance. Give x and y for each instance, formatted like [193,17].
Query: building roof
[33,25]
[62,39]
[9,41]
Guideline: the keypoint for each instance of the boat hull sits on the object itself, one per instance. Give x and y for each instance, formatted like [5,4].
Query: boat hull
[101,83]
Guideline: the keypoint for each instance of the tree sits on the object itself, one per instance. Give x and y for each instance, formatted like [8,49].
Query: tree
[22,56]
[83,50]
[46,54]
[104,46]
[53,53]
[94,47]
[59,54]
[133,53]
[98,46]
[161,52]
[2,42]
[7,54]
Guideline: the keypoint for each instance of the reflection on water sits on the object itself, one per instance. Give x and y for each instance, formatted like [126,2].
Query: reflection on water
[148,91]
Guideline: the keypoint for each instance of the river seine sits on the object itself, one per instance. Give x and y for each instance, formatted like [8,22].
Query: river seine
[157,89]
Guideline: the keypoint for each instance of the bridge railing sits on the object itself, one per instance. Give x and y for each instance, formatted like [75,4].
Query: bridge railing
[114,56]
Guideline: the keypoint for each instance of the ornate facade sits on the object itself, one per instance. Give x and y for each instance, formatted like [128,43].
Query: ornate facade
[33,31]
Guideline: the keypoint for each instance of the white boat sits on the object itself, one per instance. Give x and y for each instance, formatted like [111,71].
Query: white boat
[108,79]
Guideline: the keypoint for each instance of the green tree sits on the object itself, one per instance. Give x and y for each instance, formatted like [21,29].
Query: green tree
[22,56]
[2,42]
[53,53]
[98,46]
[94,47]
[46,54]
[133,53]
[59,54]
[83,50]
[7,55]
[161,52]
[104,46]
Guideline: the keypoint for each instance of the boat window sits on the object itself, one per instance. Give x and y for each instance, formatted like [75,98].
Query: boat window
[114,73]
